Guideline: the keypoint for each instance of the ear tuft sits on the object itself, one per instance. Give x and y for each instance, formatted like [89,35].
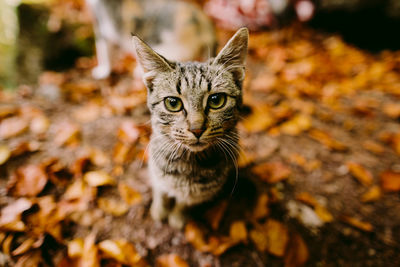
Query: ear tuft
[151,62]
[233,56]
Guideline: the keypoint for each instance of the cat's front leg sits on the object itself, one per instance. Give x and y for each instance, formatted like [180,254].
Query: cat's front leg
[177,218]
[160,206]
[103,68]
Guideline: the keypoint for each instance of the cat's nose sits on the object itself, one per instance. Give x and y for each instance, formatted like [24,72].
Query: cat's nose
[197,131]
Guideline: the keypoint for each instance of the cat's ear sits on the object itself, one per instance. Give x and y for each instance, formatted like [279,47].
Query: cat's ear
[151,62]
[233,56]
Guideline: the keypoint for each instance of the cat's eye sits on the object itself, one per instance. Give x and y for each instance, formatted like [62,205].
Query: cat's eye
[217,101]
[173,104]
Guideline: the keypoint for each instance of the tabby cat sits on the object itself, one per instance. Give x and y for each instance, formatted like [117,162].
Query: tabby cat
[194,110]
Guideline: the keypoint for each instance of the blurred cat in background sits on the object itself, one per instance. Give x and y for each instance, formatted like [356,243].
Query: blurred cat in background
[177,29]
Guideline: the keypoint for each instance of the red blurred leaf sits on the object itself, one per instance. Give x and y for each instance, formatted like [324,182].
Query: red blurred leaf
[390,181]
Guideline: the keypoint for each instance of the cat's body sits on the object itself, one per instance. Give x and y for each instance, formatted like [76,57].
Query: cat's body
[173,27]
[195,108]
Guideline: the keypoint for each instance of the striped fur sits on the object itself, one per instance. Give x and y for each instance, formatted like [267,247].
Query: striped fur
[183,167]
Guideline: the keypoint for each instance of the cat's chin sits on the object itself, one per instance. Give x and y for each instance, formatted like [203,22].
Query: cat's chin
[197,147]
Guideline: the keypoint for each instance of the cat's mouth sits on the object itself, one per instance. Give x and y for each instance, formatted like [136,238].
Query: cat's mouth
[197,146]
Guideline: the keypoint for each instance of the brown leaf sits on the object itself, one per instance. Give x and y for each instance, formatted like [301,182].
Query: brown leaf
[170,260]
[24,247]
[215,214]
[365,226]
[195,236]
[261,209]
[87,113]
[297,253]
[13,126]
[374,193]
[128,132]
[67,133]
[5,154]
[320,210]
[374,147]
[390,181]
[98,178]
[75,248]
[90,257]
[325,139]
[128,194]
[392,110]
[272,236]
[29,180]
[31,259]
[360,173]
[259,120]
[10,218]
[272,172]
[238,231]
[296,125]
[121,251]
[39,124]
[112,206]
[122,153]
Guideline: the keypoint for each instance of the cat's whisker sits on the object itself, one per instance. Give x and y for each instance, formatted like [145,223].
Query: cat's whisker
[231,153]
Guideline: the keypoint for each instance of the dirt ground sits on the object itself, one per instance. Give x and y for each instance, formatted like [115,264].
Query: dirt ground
[318,180]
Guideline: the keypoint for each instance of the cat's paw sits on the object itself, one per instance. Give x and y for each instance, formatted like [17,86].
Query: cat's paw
[101,72]
[158,213]
[176,220]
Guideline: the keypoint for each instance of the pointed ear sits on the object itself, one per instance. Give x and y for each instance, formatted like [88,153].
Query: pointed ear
[233,56]
[151,62]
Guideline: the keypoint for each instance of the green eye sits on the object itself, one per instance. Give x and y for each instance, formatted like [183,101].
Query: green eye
[217,101]
[173,104]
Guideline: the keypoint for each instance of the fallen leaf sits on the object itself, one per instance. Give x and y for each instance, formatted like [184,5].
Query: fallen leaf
[87,113]
[75,248]
[12,127]
[272,236]
[128,132]
[296,125]
[219,245]
[32,258]
[7,244]
[360,173]
[195,236]
[39,124]
[320,210]
[272,172]
[67,133]
[297,252]
[24,247]
[170,260]
[98,157]
[215,214]
[112,206]
[29,180]
[374,147]
[10,218]
[325,139]
[121,251]
[364,226]
[98,178]
[374,193]
[261,209]
[128,194]
[392,110]
[259,120]
[122,153]
[5,154]
[238,231]
[390,181]
[90,257]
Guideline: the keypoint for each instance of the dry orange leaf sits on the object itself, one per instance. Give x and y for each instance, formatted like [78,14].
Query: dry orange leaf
[112,206]
[365,226]
[296,125]
[320,210]
[170,260]
[39,124]
[215,214]
[121,251]
[24,247]
[75,248]
[272,236]
[261,209]
[392,110]
[373,147]
[122,153]
[67,133]
[360,173]
[10,218]
[128,132]
[195,236]
[98,178]
[5,154]
[32,258]
[259,120]
[373,194]
[238,231]
[29,180]
[272,172]
[90,254]
[13,126]
[390,181]
[326,140]
[128,194]
[297,253]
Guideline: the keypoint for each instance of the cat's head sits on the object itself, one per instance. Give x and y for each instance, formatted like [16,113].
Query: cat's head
[195,104]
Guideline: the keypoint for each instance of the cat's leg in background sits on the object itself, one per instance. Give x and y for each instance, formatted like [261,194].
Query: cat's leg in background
[160,206]
[177,218]
[103,68]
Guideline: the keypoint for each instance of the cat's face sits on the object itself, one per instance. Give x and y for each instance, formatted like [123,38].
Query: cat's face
[195,104]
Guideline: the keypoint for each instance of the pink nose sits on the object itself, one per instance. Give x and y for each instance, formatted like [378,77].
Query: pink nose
[197,132]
